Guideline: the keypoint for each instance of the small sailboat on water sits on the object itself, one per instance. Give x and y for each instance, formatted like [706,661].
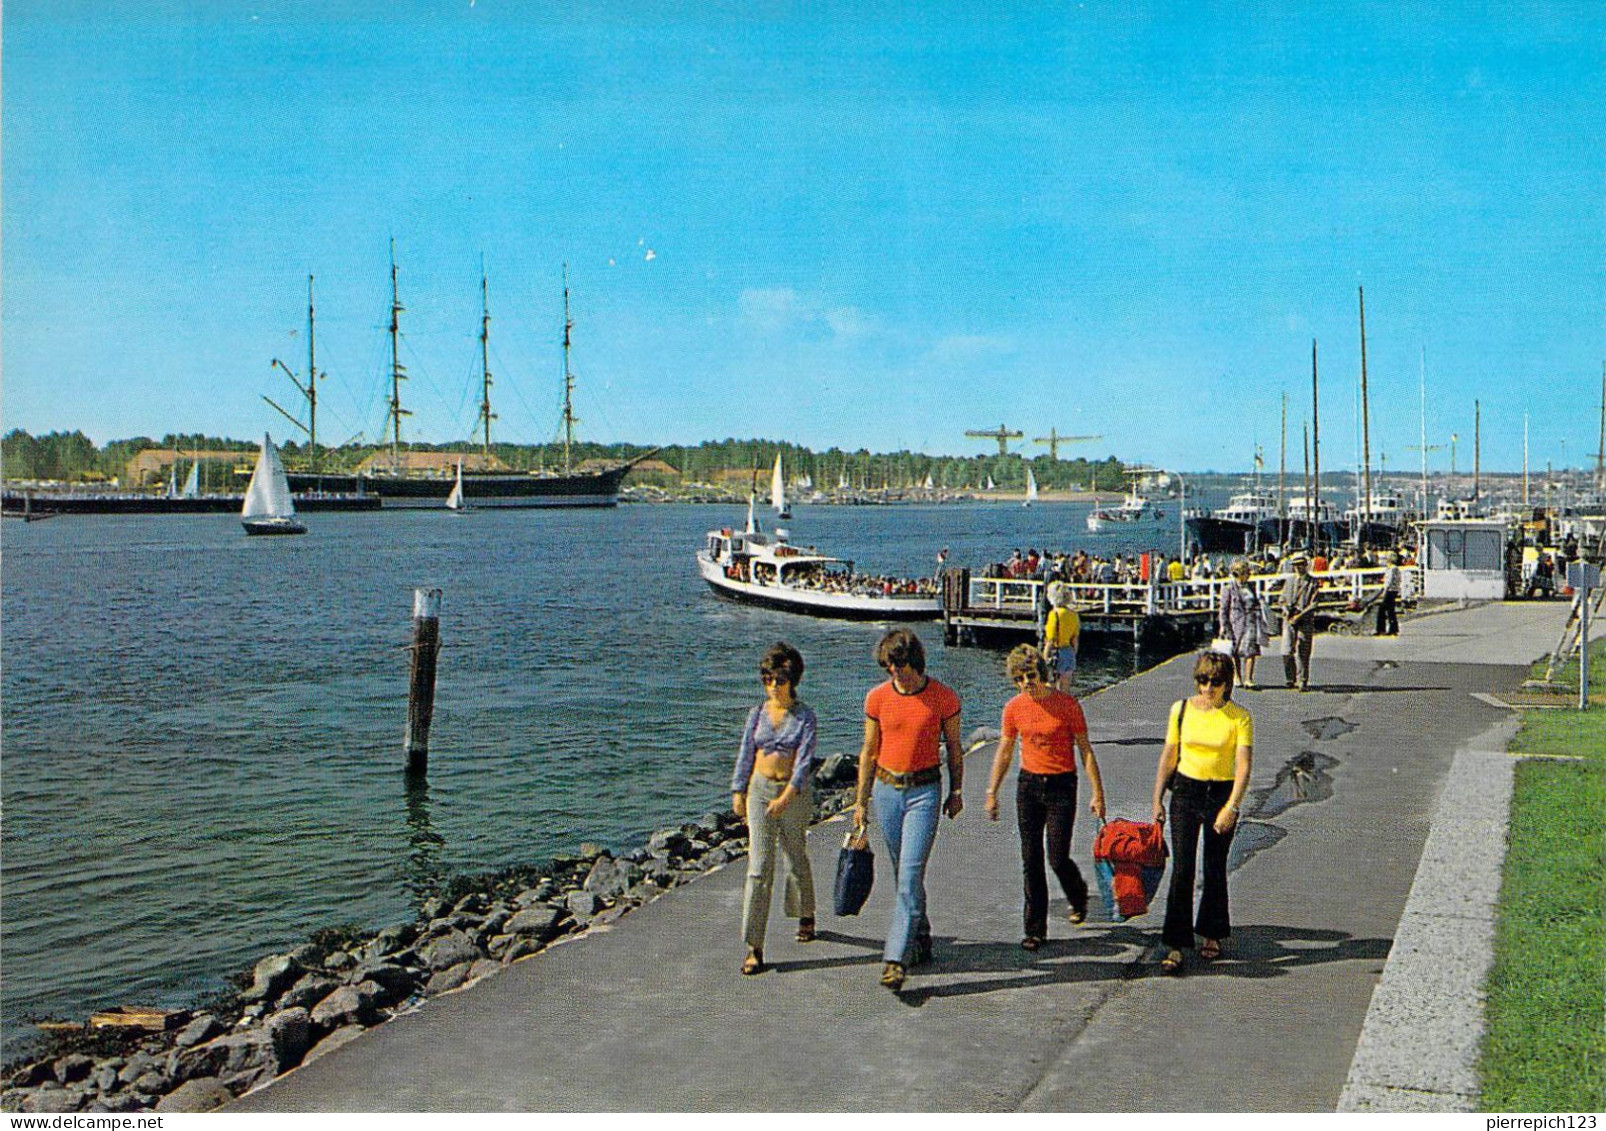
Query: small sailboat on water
[192,484]
[778,491]
[268,508]
[455,501]
[1031,489]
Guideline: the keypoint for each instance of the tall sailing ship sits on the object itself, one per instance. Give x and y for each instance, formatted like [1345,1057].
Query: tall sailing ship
[513,489]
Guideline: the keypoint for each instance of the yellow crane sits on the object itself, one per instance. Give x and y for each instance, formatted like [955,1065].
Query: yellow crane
[1054,440]
[1002,434]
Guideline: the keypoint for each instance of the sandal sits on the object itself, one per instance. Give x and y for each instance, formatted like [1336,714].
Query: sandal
[892,976]
[1030,942]
[1171,963]
[1210,950]
[754,963]
[805,930]
[1078,915]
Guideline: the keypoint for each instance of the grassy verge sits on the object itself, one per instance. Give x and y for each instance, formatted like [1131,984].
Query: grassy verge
[1545,1045]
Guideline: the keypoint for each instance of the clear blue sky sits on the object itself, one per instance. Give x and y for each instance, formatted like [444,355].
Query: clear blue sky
[861,224]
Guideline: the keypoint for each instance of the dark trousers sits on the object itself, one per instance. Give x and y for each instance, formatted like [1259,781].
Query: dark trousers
[1388,619]
[1045,808]
[1194,805]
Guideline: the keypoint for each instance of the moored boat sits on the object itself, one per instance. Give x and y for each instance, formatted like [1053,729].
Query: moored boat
[1233,529]
[1134,512]
[267,508]
[763,569]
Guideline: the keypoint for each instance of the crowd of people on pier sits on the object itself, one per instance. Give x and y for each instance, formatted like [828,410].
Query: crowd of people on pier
[1081,568]
[863,584]
[912,743]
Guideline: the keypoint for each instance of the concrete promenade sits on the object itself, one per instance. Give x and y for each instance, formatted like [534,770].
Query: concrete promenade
[650,1014]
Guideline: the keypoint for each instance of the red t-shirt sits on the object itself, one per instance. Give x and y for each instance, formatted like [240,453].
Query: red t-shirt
[1047,728]
[911,725]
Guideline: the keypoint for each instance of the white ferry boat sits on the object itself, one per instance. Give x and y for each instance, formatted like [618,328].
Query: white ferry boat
[1233,529]
[762,569]
[1134,513]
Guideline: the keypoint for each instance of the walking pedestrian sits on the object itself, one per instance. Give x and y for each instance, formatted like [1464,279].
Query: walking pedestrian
[1051,729]
[771,791]
[1208,754]
[1062,634]
[1388,617]
[1242,620]
[1298,602]
[905,720]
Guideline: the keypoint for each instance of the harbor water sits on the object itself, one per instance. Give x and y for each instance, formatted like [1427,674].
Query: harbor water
[203,732]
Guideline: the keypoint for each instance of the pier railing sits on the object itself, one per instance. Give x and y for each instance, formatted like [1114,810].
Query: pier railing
[1189,606]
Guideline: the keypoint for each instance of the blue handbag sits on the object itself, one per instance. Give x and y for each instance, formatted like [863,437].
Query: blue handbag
[855,874]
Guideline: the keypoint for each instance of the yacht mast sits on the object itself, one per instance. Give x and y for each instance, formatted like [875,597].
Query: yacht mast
[1366,430]
[568,378]
[1477,448]
[1315,445]
[311,390]
[486,416]
[397,372]
[1600,452]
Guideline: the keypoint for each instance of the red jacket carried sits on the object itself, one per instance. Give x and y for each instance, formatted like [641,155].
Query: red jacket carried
[1128,861]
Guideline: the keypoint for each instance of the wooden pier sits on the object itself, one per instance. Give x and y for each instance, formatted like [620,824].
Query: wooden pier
[1150,613]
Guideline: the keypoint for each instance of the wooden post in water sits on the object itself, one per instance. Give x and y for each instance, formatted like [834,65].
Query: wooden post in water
[421,689]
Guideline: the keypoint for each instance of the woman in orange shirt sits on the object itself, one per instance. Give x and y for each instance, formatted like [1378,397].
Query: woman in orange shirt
[1051,729]
[899,772]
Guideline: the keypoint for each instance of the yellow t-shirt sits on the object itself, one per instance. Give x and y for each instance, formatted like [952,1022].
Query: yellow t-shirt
[1210,740]
[1062,627]
[1175,571]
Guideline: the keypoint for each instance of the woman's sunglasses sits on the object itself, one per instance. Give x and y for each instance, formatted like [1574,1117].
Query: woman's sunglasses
[1210,681]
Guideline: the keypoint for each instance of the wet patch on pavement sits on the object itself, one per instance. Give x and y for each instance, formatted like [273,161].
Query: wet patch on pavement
[1307,777]
[1325,729]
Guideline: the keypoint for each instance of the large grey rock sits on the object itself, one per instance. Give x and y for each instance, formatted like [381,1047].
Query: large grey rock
[199,1031]
[394,982]
[522,948]
[347,1005]
[584,903]
[603,879]
[53,1099]
[208,1059]
[195,1095]
[32,1075]
[449,950]
[483,969]
[837,770]
[153,1082]
[73,1068]
[307,992]
[290,1032]
[537,922]
[106,1079]
[272,976]
[717,856]
[394,939]
[529,897]
[669,842]
[451,978]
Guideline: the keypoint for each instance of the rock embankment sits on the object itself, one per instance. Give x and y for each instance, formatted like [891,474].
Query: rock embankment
[293,1008]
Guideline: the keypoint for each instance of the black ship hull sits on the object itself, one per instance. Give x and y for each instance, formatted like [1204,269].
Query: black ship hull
[483,490]
[1220,535]
[1291,533]
[37,504]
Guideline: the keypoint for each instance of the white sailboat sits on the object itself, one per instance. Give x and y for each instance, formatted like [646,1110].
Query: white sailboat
[778,491]
[989,486]
[1031,489]
[192,483]
[930,485]
[455,501]
[268,508]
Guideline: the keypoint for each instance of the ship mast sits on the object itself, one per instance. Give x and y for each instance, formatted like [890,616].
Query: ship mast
[311,390]
[1315,449]
[1600,452]
[1366,426]
[486,416]
[397,372]
[568,377]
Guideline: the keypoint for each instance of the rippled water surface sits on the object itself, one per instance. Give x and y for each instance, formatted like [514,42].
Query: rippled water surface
[202,732]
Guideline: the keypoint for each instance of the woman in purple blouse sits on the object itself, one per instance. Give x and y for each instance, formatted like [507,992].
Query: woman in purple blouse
[770,790]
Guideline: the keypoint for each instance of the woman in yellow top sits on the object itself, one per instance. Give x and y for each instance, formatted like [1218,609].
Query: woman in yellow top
[1209,743]
[1062,633]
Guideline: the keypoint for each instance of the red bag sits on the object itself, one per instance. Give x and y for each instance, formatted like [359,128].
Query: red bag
[1128,862]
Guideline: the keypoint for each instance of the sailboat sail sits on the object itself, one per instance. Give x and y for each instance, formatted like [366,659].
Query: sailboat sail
[990,486]
[268,496]
[1031,487]
[929,484]
[454,501]
[778,488]
[192,484]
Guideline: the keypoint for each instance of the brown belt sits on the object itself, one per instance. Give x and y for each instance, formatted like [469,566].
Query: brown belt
[928,776]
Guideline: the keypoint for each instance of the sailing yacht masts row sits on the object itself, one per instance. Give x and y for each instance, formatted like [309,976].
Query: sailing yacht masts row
[311,391]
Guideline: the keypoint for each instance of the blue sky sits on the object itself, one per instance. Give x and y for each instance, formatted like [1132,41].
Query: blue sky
[871,225]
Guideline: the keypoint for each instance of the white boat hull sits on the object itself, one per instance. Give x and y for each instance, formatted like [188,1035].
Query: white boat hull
[816,602]
[1097,522]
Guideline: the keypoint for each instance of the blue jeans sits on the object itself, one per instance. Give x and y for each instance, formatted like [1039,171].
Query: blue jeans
[907,819]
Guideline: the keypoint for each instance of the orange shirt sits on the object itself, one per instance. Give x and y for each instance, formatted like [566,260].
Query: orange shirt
[1047,728]
[911,725]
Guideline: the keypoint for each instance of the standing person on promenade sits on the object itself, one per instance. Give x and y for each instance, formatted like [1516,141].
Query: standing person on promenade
[1300,593]
[1209,745]
[771,791]
[1388,617]
[904,720]
[1062,635]
[1051,729]
[1242,620]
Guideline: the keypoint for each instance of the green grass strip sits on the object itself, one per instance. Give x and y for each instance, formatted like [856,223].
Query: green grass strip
[1545,1040]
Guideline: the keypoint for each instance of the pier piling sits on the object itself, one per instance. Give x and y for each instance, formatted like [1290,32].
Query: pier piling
[421,689]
